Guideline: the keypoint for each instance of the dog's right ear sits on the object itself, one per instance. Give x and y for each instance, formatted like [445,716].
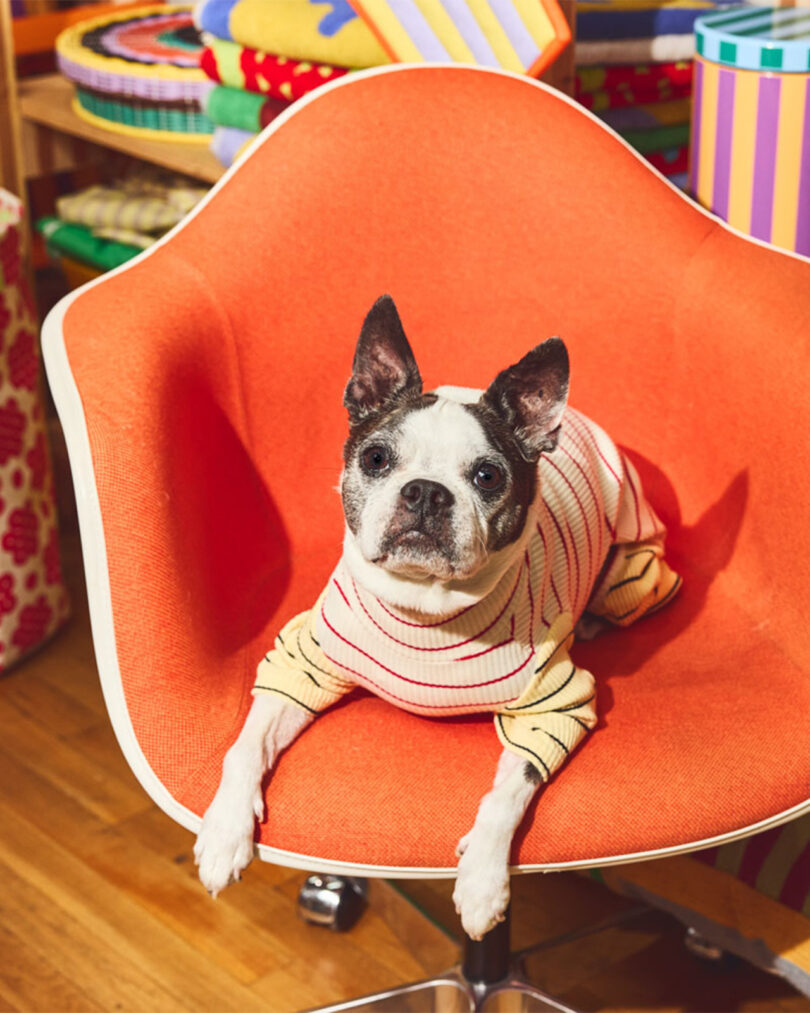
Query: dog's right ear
[384,367]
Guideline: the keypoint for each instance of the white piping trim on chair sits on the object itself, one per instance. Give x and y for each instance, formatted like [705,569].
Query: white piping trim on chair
[94,550]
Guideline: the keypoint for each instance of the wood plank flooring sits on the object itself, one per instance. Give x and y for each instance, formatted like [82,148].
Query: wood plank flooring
[100,908]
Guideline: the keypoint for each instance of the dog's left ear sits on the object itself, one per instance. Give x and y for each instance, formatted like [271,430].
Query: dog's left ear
[384,367]
[531,397]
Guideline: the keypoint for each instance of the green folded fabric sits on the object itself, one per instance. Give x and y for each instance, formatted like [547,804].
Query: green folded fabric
[245,110]
[78,242]
[657,139]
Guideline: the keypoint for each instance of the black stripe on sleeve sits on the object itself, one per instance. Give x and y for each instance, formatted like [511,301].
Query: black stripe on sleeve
[524,749]
[562,745]
[574,706]
[287,651]
[632,580]
[272,689]
[535,703]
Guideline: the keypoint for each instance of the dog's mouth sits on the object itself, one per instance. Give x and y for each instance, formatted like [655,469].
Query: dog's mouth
[415,552]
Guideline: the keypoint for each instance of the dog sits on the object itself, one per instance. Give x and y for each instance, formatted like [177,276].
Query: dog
[484,530]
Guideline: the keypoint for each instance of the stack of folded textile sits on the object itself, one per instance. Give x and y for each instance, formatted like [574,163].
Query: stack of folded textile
[634,71]
[263,56]
[106,225]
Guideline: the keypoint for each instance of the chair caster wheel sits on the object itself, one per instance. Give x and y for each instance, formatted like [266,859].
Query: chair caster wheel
[699,946]
[335,902]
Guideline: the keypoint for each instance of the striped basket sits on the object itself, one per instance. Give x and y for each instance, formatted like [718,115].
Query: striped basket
[750,151]
[138,72]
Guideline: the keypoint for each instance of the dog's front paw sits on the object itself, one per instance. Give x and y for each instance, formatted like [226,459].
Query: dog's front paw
[481,895]
[224,846]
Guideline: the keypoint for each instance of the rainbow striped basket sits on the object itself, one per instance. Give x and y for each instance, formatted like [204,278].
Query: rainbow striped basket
[750,150]
[137,72]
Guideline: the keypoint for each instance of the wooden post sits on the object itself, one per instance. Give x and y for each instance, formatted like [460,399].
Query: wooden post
[561,73]
[11,166]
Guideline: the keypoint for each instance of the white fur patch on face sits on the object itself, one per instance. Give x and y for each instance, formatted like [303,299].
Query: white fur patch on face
[440,443]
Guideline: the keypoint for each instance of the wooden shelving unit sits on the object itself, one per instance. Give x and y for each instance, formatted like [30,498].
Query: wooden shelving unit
[47,102]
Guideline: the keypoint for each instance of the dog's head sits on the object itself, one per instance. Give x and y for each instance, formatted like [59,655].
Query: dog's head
[436,483]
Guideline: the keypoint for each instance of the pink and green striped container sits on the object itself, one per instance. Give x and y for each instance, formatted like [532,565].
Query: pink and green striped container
[750,141]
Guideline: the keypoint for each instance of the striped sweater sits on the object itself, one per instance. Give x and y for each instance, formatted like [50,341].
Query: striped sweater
[595,542]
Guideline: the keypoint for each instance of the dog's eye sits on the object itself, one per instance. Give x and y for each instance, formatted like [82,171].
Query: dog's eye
[488,477]
[375,459]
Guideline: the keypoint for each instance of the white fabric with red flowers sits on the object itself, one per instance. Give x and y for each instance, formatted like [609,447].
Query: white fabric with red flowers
[33,601]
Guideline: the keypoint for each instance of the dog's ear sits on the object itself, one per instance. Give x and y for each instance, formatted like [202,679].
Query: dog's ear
[530,397]
[384,367]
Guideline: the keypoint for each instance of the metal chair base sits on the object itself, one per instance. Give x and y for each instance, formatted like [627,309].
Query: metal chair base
[489,980]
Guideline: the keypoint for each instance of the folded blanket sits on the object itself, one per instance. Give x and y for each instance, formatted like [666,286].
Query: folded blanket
[246,110]
[148,202]
[228,143]
[523,36]
[638,76]
[635,24]
[621,98]
[276,76]
[649,115]
[660,139]
[78,242]
[321,31]
[660,49]
[640,21]
[670,163]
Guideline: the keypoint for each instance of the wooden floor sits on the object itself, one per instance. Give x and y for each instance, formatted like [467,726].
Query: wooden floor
[101,909]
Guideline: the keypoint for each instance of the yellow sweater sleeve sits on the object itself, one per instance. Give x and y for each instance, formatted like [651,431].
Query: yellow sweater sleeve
[637,583]
[298,670]
[556,710]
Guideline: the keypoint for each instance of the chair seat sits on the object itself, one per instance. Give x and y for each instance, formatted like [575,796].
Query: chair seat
[682,754]
[200,391]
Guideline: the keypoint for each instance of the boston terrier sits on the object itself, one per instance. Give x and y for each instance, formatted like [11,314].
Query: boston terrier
[484,530]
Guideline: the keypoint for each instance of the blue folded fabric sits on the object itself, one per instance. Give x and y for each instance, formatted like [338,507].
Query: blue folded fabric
[227,142]
[213,16]
[641,23]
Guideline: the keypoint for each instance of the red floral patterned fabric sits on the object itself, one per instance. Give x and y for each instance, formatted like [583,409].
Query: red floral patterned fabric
[33,602]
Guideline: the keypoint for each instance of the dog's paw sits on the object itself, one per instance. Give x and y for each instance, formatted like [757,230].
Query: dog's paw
[481,895]
[461,847]
[224,846]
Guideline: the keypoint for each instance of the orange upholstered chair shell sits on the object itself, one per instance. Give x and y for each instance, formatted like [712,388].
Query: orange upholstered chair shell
[200,390]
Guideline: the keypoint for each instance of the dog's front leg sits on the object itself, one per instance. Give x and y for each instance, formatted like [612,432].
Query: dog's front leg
[482,886]
[224,845]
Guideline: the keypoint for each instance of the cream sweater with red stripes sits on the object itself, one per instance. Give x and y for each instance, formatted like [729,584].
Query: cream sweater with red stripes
[507,653]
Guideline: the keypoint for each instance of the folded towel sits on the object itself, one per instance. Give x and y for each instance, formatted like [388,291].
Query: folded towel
[78,242]
[638,76]
[315,30]
[661,49]
[670,163]
[621,98]
[648,115]
[640,21]
[233,107]
[523,36]
[147,202]
[228,143]
[657,140]
[276,76]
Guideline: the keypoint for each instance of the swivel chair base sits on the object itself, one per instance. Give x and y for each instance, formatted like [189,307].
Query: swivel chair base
[488,980]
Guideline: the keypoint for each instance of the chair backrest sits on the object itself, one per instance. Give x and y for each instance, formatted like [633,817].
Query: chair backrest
[497,213]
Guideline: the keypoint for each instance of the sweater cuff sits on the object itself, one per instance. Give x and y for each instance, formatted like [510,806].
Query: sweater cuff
[298,671]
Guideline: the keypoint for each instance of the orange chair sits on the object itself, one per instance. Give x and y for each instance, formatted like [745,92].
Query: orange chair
[200,391]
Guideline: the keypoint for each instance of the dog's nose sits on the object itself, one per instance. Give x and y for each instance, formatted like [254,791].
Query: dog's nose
[426,496]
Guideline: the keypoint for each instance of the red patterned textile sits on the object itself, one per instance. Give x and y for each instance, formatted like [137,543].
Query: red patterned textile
[33,602]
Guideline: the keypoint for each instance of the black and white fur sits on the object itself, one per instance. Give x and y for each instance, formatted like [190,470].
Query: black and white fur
[436,490]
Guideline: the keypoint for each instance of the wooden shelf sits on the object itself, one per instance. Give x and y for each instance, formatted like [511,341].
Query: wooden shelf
[47,101]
